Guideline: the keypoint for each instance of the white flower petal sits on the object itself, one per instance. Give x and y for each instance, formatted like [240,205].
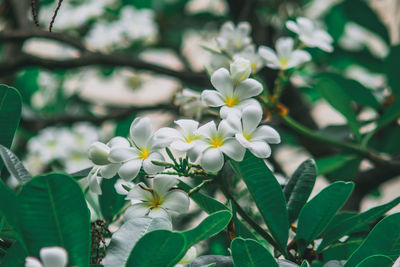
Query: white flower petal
[110,170]
[137,193]
[225,111]
[222,82]
[118,142]
[149,167]
[176,200]
[188,126]
[212,160]
[267,134]
[268,54]
[32,262]
[298,57]
[212,98]
[284,47]
[98,153]
[136,210]
[251,118]
[140,131]
[120,189]
[260,149]
[130,169]
[122,154]
[233,149]
[167,133]
[54,256]
[182,146]
[225,129]
[248,88]
[159,213]
[208,129]
[94,181]
[292,26]
[162,183]
[242,140]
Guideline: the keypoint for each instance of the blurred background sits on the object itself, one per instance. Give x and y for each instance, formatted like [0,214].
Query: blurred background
[106,62]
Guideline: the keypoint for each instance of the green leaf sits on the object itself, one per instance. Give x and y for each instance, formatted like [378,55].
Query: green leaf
[390,114]
[319,211]
[206,203]
[341,251]
[354,222]
[240,229]
[376,260]
[15,255]
[384,239]
[249,253]
[53,212]
[329,164]
[157,248]
[392,65]
[210,226]
[10,114]
[336,95]
[110,201]
[14,165]
[299,188]
[366,17]
[268,195]
[125,238]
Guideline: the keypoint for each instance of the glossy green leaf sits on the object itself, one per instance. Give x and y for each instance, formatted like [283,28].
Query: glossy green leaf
[366,17]
[299,188]
[341,251]
[213,224]
[336,95]
[249,253]
[319,211]
[110,201]
[329,164]
[53,212]
[392,65]
[10,114]
[157,248]
[383,239]
[241,230]
[376,260]
[125,238]
[354,222]
[15,256]
[391,113]
[206,203]
[14,165]
[268,195]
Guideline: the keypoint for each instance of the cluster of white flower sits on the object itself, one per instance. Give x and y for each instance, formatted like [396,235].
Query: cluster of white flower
[67,147]
[133,25]
[235,42]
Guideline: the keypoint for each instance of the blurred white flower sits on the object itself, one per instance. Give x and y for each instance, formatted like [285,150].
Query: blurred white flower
[34,163]
[99,153]
[251,136]
[249,53]
[184,140]
[48,85]
[231,97]
[190,103]
[157,201]
[190,255]
[240,70]
[233,39]
[145,150]
[310,34]
[49,257]
[285,57]
[216,142]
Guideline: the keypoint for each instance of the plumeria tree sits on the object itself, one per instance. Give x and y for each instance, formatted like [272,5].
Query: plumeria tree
[86,181]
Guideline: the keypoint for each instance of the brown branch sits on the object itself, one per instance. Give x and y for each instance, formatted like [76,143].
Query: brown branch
[20,36]
[36,124]
[91,58]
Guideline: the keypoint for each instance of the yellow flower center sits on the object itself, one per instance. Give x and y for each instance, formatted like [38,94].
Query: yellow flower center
[144,153]
[231,101]
[247,136]
[189,138]
[284,62]
[216,141]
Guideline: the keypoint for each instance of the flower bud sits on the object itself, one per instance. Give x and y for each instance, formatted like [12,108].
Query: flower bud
[98,153]
[240,70]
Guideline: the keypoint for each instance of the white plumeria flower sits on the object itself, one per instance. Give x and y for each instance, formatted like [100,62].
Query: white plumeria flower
[249,53]
[240,70]
[233,39]
[190,255]
[158,201]
[251,136]
[145,150]
[285,57]
[184,140]
[190,103]
[49,257]
[231,97]
[216,142]
[98,153]
[310,34]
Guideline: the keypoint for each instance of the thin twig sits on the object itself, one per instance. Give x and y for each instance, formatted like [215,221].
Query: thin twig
[55,14]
